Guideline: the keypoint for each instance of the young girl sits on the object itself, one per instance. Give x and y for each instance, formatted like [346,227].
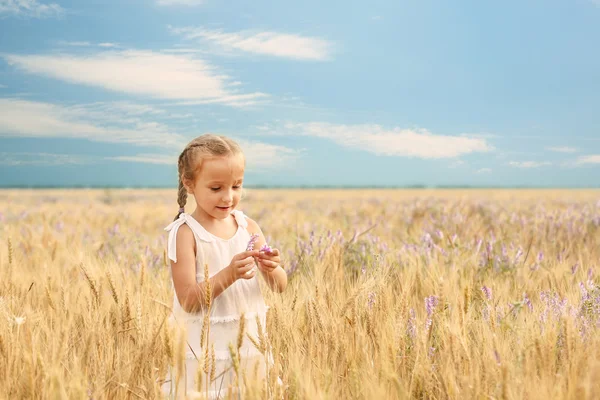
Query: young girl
[211,168]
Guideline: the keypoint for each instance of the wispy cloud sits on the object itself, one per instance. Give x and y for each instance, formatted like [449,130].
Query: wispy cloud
[528,164]
[87,44]
[261,155]
[158,75]
[179,2]
[147,159]
[36,119]
[562,149]
[376,139]
[484,171]
[30,8]
[590,159]
[275,44]
[40,159]
[74,43]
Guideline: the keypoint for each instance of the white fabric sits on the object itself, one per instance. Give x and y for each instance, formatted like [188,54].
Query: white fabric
[243,296]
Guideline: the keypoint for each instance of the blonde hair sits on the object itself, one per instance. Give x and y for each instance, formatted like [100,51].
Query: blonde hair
[190,159]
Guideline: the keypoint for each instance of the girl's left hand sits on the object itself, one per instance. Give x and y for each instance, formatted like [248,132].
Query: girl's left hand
[268,261]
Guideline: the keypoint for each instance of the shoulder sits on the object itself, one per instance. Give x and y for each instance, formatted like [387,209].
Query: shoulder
[185,236]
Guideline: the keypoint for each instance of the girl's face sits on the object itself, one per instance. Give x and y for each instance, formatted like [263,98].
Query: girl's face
[218,186]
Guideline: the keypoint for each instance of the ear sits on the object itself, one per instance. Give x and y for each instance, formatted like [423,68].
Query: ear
[189,186]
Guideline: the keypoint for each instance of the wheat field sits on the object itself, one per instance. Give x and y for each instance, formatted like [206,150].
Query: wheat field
[393,294]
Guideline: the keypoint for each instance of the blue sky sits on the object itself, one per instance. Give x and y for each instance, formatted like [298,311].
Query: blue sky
[318,93]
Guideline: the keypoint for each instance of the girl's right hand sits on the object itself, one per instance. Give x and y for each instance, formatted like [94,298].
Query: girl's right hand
[242,263]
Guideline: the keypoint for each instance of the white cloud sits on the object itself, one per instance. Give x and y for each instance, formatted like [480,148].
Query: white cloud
[74,43]
[591,159]
[562,149]
[36,119]
[3,86]
[107,44]
[179,2]
[484,171]
[30,8]
[392,142]
[258,155]
[265,43]
[456,164]
[39,159]
[147,73]
[147,159]
[528,164]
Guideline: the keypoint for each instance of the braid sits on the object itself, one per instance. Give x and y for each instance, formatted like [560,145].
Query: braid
[181,198]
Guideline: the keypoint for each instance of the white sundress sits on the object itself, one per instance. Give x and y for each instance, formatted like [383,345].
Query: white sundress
[243,296]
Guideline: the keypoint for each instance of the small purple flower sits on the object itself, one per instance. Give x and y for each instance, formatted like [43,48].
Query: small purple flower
[431,303]
[497,357]
[371,300]
[487,292]
[574,268]
[431,352]
[266,248]
[411,326]
[253,240]
[527,302]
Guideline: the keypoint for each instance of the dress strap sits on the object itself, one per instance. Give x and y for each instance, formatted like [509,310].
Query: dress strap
[173,227]
[240,218]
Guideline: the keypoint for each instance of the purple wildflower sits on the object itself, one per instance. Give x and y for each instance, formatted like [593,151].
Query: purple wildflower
[527,302]
[252,241]
[371,300]
[574,268]
[487,292]
[431,303]
[266,248]
[411,326]
[497,356]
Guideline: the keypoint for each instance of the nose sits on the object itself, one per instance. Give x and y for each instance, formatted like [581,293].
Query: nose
[227,196]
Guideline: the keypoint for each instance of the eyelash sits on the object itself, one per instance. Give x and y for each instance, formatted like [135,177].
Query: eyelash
[217,189]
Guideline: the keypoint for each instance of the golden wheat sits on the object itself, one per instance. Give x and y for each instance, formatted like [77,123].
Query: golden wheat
[421,294]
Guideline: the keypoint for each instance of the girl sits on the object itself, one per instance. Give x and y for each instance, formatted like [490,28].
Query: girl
[216,235]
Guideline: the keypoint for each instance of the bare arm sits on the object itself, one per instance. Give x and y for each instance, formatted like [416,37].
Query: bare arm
[191,294]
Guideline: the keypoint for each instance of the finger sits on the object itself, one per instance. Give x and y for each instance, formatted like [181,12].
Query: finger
[245,254]
[274,252]
[245,261]
[250,274]
[245,268]
[269,264]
